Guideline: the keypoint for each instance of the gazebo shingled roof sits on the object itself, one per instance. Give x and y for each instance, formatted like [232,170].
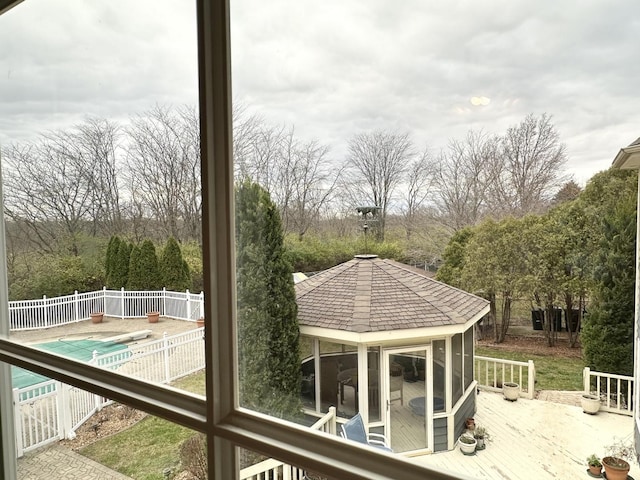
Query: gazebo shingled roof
[369,294]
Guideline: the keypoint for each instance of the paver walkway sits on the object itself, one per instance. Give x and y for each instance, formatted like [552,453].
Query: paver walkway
[62,463]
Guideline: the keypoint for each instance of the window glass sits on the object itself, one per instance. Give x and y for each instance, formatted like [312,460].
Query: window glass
[468,357]
[439,375]
[456,357]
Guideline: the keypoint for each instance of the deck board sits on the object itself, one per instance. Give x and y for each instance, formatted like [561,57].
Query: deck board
[534,439]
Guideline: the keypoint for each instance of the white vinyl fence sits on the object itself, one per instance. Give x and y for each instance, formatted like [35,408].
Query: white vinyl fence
[615,391]
[52,410]
[50,312]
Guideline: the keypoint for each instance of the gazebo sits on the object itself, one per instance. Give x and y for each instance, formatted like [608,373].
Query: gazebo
[386,340]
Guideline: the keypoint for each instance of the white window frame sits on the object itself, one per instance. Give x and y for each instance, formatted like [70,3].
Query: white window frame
[219,416]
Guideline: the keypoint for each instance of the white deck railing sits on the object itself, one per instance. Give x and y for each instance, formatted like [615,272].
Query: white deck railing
[492,373]
[615,391]
[50,312]
[51,411]
[270,469]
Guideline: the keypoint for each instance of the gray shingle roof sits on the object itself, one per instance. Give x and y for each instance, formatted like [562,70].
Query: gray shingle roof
[370,295]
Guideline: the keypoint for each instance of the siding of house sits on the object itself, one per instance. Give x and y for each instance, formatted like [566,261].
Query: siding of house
[440,438]
[467,410]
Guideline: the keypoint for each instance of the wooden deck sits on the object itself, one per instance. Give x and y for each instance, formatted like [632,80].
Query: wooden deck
[533,439]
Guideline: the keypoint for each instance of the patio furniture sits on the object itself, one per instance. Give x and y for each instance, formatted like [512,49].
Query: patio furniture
[354,429]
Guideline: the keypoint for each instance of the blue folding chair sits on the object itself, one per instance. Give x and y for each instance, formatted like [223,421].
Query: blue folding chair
[354,430]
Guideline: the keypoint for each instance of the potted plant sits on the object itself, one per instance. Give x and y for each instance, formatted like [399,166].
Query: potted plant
[616,463]
[511,391]
[595,467]
[96,317]
[590,403]
[467,444]
[480,434]
[470,423]
[153,317]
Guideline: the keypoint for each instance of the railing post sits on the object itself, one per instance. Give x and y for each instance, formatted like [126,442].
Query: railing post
[202,304]
[165,350]
[104,301]
[532,379]
[18,422]
[586,379]
[332,422]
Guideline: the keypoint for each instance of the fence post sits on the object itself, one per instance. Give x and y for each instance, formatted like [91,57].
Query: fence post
[76,309]
[164,301]
[202,305]
[122,302]
[165,350]
[188,299]
[586,379]
[332,422]
[104,301]
[44,309]
[63,404]
[18,422]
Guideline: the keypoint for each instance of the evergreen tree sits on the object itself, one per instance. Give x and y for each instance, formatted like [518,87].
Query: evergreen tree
[143,269]
[120,268]
[136,274]
[174,271]
[111,259]
[268,331]
[607,336]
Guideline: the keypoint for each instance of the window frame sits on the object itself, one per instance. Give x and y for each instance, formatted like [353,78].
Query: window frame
[226,425]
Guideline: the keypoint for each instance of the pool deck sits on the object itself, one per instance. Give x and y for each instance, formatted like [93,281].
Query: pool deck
[110,327]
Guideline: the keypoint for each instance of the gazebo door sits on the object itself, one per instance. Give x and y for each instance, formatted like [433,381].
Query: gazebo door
[407,386]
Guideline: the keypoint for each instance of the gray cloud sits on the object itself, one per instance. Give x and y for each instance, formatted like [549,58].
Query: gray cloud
[335,68]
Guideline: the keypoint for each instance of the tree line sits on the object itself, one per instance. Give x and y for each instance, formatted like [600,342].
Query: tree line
[142,180]
[578,256]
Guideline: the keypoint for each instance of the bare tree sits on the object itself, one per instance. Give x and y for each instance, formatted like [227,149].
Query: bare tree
[95,144]
[164,168]
[533,159]
[376,166]
[46,192]
[463,177]
[419,180]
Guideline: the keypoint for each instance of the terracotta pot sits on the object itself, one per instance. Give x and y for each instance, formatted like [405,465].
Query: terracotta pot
[595,471]
[96,317]
[200,322]
[470,423]
[615,468]
[153,317]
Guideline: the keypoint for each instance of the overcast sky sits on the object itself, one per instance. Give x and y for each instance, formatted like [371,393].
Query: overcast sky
[338,67]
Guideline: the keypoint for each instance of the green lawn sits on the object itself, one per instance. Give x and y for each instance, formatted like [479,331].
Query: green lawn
[552,373]
[145,450]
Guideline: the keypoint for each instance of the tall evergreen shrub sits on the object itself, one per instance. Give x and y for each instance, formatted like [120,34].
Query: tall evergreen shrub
[268,331]
[174,271]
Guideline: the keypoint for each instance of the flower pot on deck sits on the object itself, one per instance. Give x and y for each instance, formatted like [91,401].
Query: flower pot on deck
[467,444]
[511,391]
[96,317]
[615,468]
[153,317]
[200,322]
[590,403]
